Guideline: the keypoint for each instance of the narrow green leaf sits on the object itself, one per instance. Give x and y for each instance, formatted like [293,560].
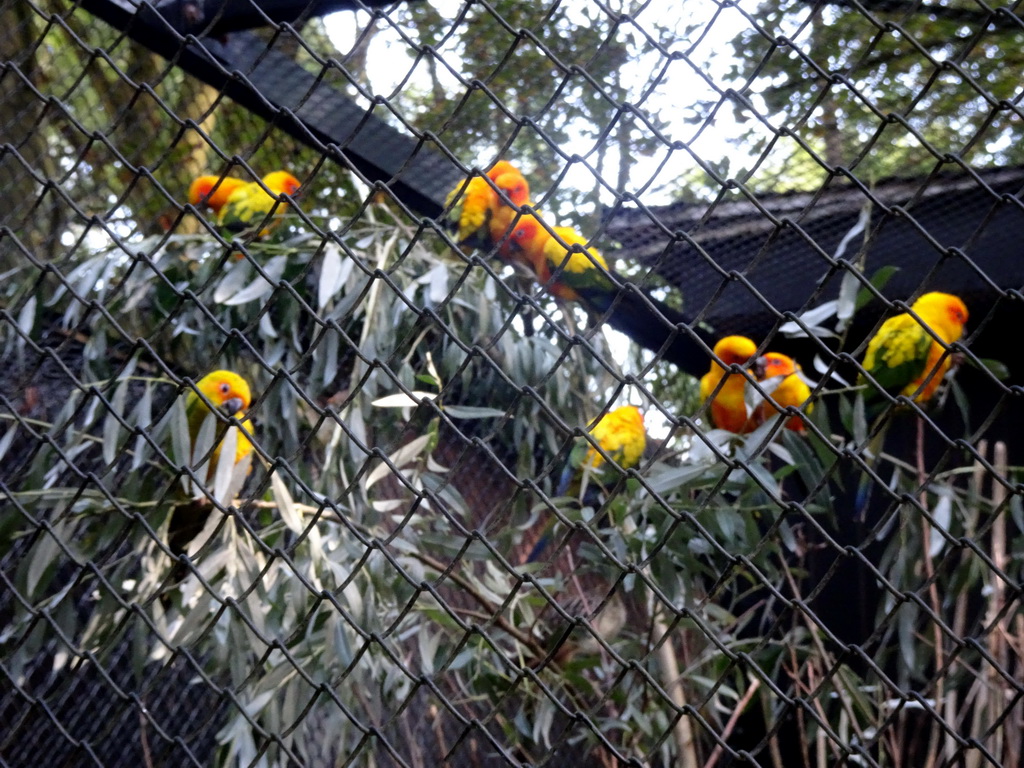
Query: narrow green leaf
[332,276]
[27,319]
[44,554]
[201,450]
[879,280]
[846,306]
[143,419]
[290,516]
[181,443]
[676,477]
[112,424]
[7,439]
[473,412]
[997,368]
[260,286]
[402,400]
[225,465]
[237,275]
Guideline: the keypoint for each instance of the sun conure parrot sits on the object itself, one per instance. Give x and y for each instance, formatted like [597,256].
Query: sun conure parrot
[903,358]
[728,406]
[213,191]
[483,220]
[567,269]
[249,205]
[622,436]
[561,262]
[478,215]
[791,389]
[229,393]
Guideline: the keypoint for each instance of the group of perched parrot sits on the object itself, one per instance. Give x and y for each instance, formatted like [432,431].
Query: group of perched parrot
[245,206]
[909,354]
[493,213]
[724,388]
[496,213]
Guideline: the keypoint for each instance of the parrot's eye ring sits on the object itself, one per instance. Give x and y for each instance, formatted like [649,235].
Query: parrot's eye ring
[224,388]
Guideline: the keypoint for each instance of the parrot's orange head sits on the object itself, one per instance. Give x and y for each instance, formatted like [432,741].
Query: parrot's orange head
[226,390]
[509,180]
[281,183]
[735,350]
[943,308]
[500,168]
[200,189]
[526,233]
[212,190]
[772,364]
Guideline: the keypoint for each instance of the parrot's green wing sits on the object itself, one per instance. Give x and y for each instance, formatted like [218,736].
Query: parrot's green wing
[897,354]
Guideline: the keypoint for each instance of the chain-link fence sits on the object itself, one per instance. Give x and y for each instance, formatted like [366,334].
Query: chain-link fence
[684,435]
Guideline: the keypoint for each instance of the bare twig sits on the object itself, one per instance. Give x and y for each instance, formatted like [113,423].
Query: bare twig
[933,600]
[995,620]
[147,756]
[733,719]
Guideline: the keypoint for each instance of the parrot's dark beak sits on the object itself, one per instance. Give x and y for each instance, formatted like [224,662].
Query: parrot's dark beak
[232,406]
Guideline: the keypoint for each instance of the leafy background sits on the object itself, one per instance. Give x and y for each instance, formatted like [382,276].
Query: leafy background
[364,598]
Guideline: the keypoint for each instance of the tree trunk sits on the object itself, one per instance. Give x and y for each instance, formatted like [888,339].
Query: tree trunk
[33,218]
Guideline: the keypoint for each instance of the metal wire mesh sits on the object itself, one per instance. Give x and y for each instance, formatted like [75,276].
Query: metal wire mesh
[422,561]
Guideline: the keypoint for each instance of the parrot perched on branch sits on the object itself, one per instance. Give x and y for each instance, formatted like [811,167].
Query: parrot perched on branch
[622,436]
[213,191]
[478,215]
[249,206]
[561,262]
[791,389]
[229,393]
[904,358]
[727,390]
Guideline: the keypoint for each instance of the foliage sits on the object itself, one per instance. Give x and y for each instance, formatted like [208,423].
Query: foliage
[413,409]
[318,570]
[562,89]
[888,90]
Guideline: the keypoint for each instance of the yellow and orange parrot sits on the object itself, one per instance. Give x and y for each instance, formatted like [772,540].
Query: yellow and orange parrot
[728,406]
[213,191]
[566,269]
[230,394]
[903,358]
[587,475]
[791,389]
[621,435]
[478,215]
[249,206]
